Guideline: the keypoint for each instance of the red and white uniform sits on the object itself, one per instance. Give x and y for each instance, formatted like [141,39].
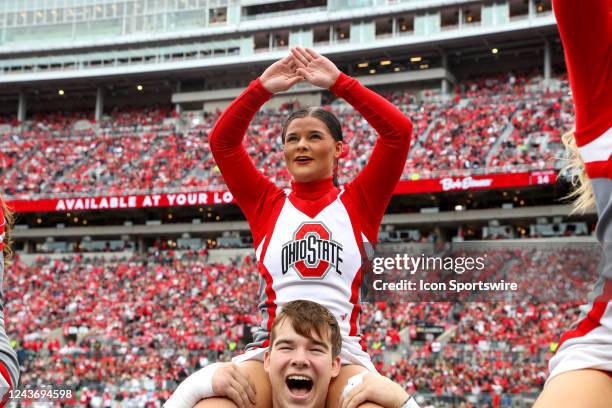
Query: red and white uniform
[9,367]
[311,239]
[586,32]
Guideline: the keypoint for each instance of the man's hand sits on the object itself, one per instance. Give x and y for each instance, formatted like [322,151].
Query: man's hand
[232,382]
[281,75]
[377,389]
[315,68]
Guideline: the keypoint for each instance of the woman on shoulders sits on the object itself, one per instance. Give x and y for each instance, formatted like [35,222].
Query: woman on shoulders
[310,241]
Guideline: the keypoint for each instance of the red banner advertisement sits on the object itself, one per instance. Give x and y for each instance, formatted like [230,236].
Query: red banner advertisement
[444,184]
[480,182]
[123,202]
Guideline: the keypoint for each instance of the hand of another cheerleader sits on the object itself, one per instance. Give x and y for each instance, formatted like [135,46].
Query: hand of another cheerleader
[377,389]
[281,75]
[214,380]
[315,68]
[232,382]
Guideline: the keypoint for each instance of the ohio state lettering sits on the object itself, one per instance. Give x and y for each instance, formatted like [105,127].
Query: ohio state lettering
[312,252]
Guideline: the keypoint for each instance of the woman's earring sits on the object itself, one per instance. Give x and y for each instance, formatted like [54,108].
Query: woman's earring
[345,151]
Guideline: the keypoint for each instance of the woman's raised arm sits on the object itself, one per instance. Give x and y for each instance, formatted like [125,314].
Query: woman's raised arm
[247,184]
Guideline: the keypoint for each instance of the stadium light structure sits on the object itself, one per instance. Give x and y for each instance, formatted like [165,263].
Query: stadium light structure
[60,92]
[140,88]
[494,50]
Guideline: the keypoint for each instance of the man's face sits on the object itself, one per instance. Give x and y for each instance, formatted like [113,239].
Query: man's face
[300,368]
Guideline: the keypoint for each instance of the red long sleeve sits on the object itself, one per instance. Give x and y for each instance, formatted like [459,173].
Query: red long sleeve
[373,187]
[251,189]
[586,31]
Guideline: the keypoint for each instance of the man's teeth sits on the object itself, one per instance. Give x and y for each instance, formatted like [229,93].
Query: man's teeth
[298,378]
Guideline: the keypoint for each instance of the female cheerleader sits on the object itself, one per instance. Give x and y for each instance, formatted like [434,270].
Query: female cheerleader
[310,240]
[581,369]
[9,367]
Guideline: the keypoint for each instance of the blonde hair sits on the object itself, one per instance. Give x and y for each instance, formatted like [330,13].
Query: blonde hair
[8,227]
[582,195]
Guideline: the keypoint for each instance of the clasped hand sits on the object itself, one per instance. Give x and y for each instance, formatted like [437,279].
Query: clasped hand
[301,64]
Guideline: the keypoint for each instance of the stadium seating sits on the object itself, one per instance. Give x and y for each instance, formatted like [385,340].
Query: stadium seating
[133,327]
[494,124]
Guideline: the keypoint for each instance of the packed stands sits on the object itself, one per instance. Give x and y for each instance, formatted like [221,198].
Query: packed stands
[131,326]
[498,124]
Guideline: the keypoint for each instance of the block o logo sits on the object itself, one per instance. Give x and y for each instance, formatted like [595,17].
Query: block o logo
[311,252]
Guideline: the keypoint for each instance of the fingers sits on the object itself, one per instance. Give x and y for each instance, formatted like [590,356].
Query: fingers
[307,54]
[302,72]
[253,390]
[234,384]
[312,53]
[236,396]
[301,57]
[288,59]
[355,397]
[295,80]
[245,381]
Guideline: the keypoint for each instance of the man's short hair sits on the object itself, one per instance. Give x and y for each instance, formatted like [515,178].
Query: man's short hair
[306,317]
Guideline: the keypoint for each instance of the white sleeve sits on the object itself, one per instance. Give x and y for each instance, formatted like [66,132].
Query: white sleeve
[410,403]
[194,388]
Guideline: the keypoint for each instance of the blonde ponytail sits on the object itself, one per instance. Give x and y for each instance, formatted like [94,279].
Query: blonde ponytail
[582,195]
[8,228]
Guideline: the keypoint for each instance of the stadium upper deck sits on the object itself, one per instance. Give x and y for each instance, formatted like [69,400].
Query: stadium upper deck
[53,39]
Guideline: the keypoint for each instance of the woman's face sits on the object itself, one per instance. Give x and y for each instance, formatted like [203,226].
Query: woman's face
[310,149]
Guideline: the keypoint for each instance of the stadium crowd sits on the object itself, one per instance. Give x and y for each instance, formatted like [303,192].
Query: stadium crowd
[505,123]
[125,329]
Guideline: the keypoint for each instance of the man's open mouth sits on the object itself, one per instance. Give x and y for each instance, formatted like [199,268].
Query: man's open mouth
[299,385]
